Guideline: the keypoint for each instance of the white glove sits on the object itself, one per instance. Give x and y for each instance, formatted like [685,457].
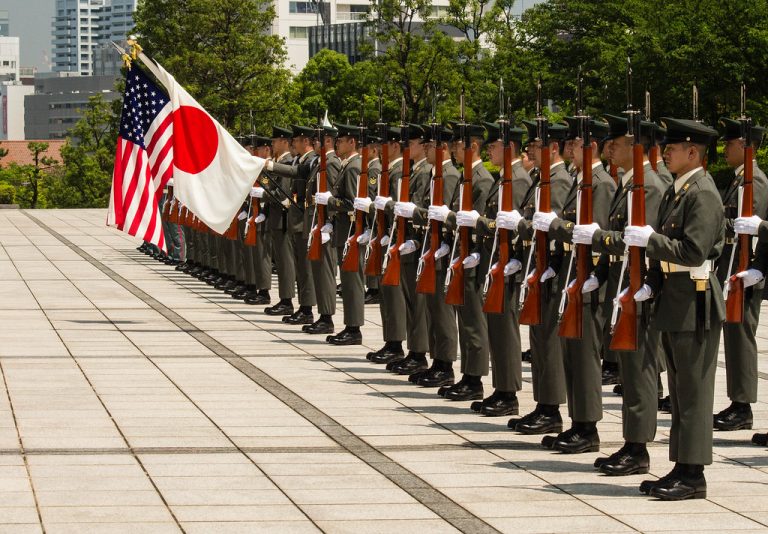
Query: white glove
[582,233]
[438,213]
[381,202]
[637,236]
[472,261]
[327,228]
[542,220]
[257,192]
[590,284]
[508,220]
[512,267]
[364,238]
[385,240]
[286,203]
[404,209]
[443,250]
[260,218]
[747,225]
[363,204]
[323,198]
[750,277]
[467,218]
[242,215]
[643,294]
[169,183]
[549,273]
[408,247]
[270,165]
[325,237]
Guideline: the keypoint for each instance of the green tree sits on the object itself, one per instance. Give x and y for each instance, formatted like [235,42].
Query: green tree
[223,53]
[3,152]
[28,180]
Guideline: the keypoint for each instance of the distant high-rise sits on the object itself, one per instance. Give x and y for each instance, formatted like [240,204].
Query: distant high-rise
[79,26]
[4,23]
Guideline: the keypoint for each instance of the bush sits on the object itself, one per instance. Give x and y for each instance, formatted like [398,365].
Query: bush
[7,194]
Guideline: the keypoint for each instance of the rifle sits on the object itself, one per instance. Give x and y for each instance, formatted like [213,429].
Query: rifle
[653,153]
[532,293]
[624,331]
[734,287]
[695,110]
[319,218]
[426,272]
[391,275]
[351,257]
[493,288]
[572,319]
[374,252]
[454,278]
[166,215]
[250,233]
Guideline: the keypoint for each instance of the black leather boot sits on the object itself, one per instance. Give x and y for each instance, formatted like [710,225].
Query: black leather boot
[738,416]
[689,483]
[632,459]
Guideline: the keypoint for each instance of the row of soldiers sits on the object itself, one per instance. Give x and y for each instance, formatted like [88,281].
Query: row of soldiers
[689,231]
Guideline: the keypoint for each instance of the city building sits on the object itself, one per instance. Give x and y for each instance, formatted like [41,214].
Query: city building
[4,23]
[81,26]
[12,94]
[9,59]
[58,101]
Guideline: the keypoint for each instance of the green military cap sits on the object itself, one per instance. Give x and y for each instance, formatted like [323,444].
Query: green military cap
[373,139]
[573,128]
[426,137]
[618,126]
[393,134]
[494,133]
[557,132]
[732,130]
[416,132]
[687,131]
[302,131]
[661,133]
[281,133]
[347,130]
[330,131]
[443,134]
[260,140]
[599,130]
[474,130]
[244,140]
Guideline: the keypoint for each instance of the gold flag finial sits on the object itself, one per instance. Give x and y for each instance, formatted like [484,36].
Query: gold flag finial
[135,47]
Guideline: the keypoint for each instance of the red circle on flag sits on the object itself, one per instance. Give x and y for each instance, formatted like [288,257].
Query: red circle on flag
[195,139]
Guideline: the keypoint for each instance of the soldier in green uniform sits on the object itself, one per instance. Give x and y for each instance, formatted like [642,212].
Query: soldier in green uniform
[689,305]
[323,270]
[547,369]
[473,327]
[581,356]
[638,369]
[416,313]
[340,203]
[298,175]
[739,338]
[374,172]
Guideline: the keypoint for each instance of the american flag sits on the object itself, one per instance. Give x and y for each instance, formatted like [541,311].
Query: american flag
[144,158]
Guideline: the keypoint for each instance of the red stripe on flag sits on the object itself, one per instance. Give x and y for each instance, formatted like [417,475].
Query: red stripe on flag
[138,173]
[159,132]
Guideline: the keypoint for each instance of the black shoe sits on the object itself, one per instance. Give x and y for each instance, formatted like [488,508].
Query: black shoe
[602,460]
[618,389]
[226,283]
[182,266]
[142,247]
[170,261]
[213,278]
[346,337]
[281,308]
[548,442]
[300,317]
[338,290]
[372,297]
[627,464]
[665,405]
[512,423]
[392,363]
[526,355]
[257,297]
[478,405]
[464,392]
[410,365]
[647,485]
[760,439]
[385,354]
[434,378]
[318,327]
[241,293]
[541,424]
[689,483]
[238,287]
[738,416]
[610,375]
[504,404]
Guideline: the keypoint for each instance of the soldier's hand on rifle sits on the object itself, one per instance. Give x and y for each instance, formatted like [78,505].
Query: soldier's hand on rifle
[467,218]
[405,209]
[438,213]
[260,218]
[750,277]
[508,220]
[285,203]
[542,221]
[270,165]
[747,225]
[590,284]
[582,233]
[549,273]
[637,236]
[363,204]
[257,192]
[381,202]
[364,238]
[385,241]
[242,215]
[408,247]
[327,228]
[512,267]
[442,251]
[472,261]
[643,294]
[323,198]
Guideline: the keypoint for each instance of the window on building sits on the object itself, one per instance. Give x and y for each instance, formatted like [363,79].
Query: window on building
[301,7]
[297,32]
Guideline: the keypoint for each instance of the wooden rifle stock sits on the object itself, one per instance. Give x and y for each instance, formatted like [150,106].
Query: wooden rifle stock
[530,314]
[653,156]
[426,281]
[613,169]
[376,255]
[166,215]
[391,275]
[494,297]
[625,335]
[351,260]
[315,247]
[734,304]
[173,215]
[572,321]
[454,294]
[250,225]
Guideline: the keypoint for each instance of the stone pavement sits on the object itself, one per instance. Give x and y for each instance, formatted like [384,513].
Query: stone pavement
[137,399]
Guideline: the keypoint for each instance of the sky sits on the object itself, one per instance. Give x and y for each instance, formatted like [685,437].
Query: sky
[31,21]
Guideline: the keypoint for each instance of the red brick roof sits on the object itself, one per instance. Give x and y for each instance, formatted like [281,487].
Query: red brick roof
[19,153]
